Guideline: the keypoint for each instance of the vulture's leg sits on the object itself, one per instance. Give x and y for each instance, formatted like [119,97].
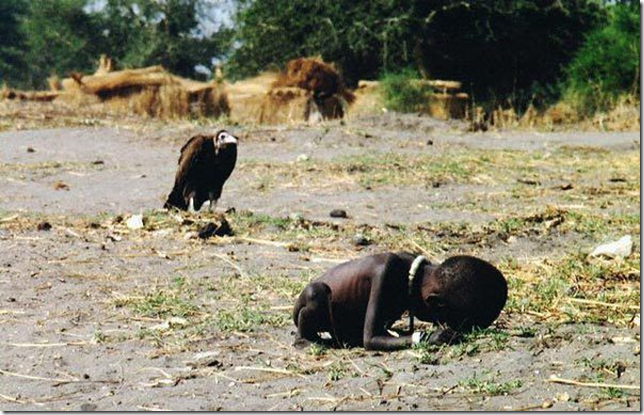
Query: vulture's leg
[213,202]
[191,205]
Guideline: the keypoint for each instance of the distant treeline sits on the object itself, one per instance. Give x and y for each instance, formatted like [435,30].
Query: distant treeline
[40,38]
[514,52]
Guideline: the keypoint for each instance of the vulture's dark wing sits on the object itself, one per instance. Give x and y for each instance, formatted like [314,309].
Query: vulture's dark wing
[192,154]
[190,143]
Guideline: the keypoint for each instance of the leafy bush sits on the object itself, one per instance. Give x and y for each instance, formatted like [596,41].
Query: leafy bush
[401,93]
[608,63]
[499,49]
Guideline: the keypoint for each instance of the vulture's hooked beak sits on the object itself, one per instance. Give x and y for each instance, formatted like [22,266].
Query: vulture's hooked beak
[224,139]
[228,139]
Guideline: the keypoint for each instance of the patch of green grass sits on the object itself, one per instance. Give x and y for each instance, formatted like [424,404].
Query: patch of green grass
[485,387]
[163,304]
[575,288]
[317,350]
[428,354]
[524,331]
[465,348]
[613,393]
[98,336]
[337,371]
[248,318]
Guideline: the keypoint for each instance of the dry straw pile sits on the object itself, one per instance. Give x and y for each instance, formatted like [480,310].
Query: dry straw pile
[308,89]
[148,91]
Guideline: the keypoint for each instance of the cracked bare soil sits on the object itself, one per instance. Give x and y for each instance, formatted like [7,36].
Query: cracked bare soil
[94,316]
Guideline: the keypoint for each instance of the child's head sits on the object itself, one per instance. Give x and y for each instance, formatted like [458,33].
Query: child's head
[464,292]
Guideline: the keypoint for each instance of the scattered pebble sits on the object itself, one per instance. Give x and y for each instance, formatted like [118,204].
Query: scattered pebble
[191,235]
[135,222]
[530,182]
[562,397]
[114,237]
[635,321]
[172,322]
[303,157]
[430,142]
[566,186]
[88,407]
[361,240]
[205,359]
[297,216]
[616,249]
[338,213]
[98,162]
[30,150]
[212,229]
[59,185]
[44,226]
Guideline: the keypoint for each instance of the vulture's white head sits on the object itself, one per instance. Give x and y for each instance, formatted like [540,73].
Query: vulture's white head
[224,138]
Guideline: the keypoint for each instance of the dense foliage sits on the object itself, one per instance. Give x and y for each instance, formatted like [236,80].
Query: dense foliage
[498,48]
[12,60]
[401,93]
[59,36]
[608,63]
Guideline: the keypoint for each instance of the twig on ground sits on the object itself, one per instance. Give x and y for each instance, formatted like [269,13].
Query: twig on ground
[237,267]
[149,408]
[2,312]
[45,344]
[16,400]
[555,379]
[270,370]
[601,303]
[261,241]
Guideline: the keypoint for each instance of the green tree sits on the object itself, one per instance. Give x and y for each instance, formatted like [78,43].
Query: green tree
[60,37]
[500,49]
[68,35]
[608,63]
[145,32]
[12,43]
[363,38]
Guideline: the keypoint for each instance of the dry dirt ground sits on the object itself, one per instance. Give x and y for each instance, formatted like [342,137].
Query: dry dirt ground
[97,316]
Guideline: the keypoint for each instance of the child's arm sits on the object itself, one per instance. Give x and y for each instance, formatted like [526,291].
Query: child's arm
[380,311]
[375,335]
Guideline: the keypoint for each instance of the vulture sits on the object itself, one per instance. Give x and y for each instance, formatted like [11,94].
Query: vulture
[205,163]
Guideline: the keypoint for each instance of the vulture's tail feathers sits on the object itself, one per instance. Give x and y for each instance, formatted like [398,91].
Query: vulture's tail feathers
[175,200]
